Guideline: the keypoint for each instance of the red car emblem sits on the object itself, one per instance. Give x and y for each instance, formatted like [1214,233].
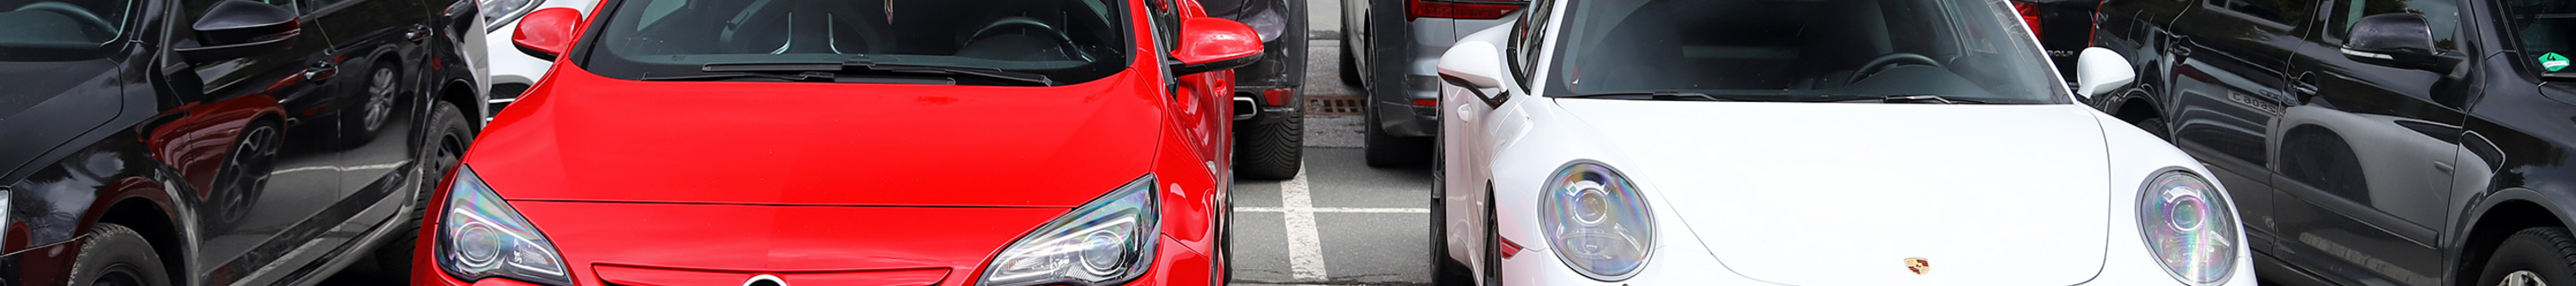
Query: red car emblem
[1919,265]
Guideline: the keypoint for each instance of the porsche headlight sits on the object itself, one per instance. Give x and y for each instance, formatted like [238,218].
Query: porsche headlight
[482,237]
[1596,221]
[2188,227]
[1109,241]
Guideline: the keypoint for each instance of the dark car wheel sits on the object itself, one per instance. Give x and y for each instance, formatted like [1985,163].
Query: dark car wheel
[451,134]
[2532,257]
[1445,270]
[374,107]
[1351,69]
[117,256]
[2155,126]
[246,170]
[1388,150]
[1272,147]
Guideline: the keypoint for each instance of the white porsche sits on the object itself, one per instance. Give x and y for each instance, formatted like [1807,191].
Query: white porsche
[1804,142]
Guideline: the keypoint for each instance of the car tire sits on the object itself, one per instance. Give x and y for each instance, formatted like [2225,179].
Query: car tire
[1272,147]
[2154,126]
[450,135]
[1388,150]
[2533,256]
[1351,69]
[118,256]
[1445,270]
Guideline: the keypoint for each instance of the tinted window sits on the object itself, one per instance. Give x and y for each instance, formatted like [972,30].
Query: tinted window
[2442,15]
[1069,41]
[60,30]
[1801,50]
[2280,11]
[2543,27]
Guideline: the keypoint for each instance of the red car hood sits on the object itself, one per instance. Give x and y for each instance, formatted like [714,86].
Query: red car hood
[581,137]
[702,244]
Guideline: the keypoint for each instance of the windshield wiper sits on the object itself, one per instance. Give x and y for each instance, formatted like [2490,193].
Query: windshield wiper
[802,76]
[863,65]
[1664,95]
[1906,98]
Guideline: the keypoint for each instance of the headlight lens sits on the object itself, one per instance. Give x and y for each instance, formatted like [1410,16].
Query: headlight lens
[2188,227]
[1596,221]
[482,237]
[499,13]
[1108,241]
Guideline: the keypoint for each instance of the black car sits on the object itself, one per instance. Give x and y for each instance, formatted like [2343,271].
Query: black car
[1270,124]
[2368,142]
[2063,27]
[224,142]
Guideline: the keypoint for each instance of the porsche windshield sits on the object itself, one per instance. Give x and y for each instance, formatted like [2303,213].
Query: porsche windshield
[983,42]
[1801,50]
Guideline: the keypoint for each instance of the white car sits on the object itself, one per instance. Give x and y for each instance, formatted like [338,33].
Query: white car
[513,71]
[1804,142]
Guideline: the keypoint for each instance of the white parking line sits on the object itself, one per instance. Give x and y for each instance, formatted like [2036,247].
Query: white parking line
[1339,210]
[1305,249]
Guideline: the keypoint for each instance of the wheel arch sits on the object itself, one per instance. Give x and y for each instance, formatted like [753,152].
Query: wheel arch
[2497,216]
[159,225]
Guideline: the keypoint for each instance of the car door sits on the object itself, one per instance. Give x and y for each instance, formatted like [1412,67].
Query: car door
[2364,153]
[2227,84]
[257,215]
[376,98]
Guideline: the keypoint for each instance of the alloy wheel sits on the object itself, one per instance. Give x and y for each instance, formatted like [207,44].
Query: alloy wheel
[2522,278]
[380,98]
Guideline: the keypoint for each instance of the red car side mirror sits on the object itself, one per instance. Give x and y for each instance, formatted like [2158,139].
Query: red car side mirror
[547,33]
[1214,44]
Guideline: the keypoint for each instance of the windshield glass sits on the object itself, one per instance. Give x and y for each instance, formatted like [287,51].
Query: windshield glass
[1801,50]
[39,30]
[2545,28]
[1066,41]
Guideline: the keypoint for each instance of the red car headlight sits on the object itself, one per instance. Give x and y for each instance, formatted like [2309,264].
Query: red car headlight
[1109,241]
[480,237]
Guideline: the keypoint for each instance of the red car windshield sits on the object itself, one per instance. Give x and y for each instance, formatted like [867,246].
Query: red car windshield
[991,42]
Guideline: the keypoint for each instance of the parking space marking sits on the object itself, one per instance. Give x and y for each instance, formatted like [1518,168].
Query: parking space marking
[1305,248]
[1338,210]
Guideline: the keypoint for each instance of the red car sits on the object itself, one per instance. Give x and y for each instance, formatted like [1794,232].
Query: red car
[853,142]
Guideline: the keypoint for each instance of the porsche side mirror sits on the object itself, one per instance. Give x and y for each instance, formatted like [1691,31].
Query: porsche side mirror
[2099,71]
[1477,67]
[548,32]
[2400,40]
[1215,44]
[235,29]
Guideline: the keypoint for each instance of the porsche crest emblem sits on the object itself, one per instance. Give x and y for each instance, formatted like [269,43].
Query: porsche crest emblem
[1919,265]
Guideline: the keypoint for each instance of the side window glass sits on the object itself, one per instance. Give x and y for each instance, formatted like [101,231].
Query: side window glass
[194,9]
[2541,28]
[2442,15]
[2278,11]
[1527,35]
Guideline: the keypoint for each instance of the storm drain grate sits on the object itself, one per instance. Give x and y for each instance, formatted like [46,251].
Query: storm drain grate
[1334,105]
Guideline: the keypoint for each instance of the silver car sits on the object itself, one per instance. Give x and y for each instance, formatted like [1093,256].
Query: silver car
[1397,64]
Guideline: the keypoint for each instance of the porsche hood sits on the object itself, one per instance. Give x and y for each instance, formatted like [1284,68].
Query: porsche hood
[819,143]
[1849,193]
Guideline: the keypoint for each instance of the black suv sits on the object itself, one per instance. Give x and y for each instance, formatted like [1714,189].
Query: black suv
[2368,142]
[224,142]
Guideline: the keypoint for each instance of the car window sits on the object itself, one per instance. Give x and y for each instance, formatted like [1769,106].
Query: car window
[2545,31]
[2277,11]
[1068,41]
[1800,50]
[1526,36]
[64,30]
[2443,16]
